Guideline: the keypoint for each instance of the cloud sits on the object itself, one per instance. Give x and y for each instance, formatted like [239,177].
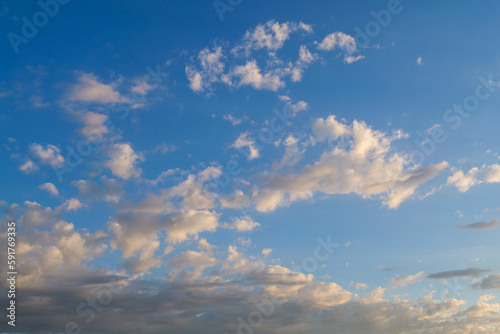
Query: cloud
[234,120]
[123,161]
[481,225]
[294,108]
[71,204]
[212,70]
[420,61]
[250,75]
[361,286]
[244,141]
[110,191]
[164,148]
[51,188]
[141,87]
[28,167]
[242,224]
[342,42]
[402,281]
[471,272]
[485,174]
[489,282]
[357,160]
[94,125]
[49,155]
[271,36]
[37,102]
[292,153]
[90,90]
[236,200]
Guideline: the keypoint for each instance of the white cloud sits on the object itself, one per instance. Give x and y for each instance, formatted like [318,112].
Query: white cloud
[402,281]
[294,108]
[485,174]
[94,125]
[362,161]
[123,161]
[244,141]
[89,89]
[292,153]
[242,224]
[212,70]
[49,155]
[51,188]
[343,42]
[141,87]
[28,167]
[71,204]
[236,200]
[271,36]
[250,75]
[234,120]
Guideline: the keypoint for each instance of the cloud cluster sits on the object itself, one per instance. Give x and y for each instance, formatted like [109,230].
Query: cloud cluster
[270,74]
[357,160]
[484,174]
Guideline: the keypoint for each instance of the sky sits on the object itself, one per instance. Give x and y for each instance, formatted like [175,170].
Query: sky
[236,166]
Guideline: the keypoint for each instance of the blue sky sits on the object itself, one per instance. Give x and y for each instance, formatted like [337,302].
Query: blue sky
[205,156]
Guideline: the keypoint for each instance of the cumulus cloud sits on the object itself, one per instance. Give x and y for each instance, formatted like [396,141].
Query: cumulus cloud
[48,155]
[94,125]
[28,167]
[90,90]
[242,224]
[358,160]
[110,190]
[250,75]
[294,108]
[235,200]
[50,187]
[212,69]
[123,161]
[271,36]
[71,204]
[245,141]
[343,42]
[485,174]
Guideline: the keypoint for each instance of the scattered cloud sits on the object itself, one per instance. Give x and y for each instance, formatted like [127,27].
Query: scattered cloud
[242,224]
[362,161]
[245,141]
[28,167]
[51,188]
[48,155]
[485,174]
[343,42]
[123,161]
[402,281]
[90,90]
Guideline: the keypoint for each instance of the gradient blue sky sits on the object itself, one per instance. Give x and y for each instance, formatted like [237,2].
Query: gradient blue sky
[344,167]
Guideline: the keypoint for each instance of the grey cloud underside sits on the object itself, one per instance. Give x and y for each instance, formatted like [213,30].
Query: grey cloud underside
[481,225]
[472,272]
[149,306]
